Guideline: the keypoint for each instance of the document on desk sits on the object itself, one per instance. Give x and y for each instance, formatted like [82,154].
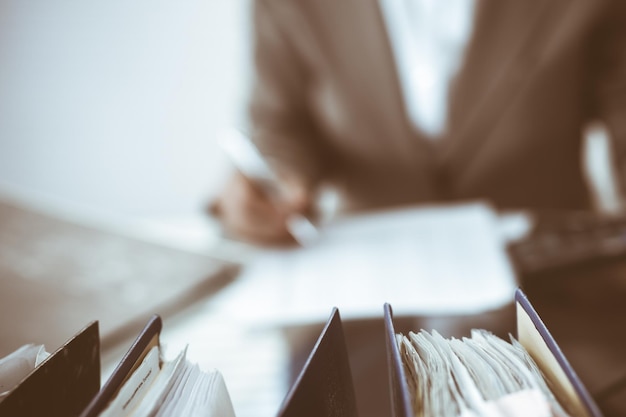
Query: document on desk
[423,260]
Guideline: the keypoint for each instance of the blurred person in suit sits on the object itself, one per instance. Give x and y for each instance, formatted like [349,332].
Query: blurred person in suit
[395,102]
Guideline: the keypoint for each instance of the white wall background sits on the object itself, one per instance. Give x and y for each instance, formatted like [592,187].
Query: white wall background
[111,106]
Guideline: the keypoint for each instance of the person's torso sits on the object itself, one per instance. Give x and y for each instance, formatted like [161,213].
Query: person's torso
[515,114]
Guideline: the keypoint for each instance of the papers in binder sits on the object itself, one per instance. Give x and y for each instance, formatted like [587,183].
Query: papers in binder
[143,384]
[146,383]
[175,388]
[482,375]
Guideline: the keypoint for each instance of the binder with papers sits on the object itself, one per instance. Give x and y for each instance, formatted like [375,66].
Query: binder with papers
[62,384]
[484,375]
[146,384]
[480,375]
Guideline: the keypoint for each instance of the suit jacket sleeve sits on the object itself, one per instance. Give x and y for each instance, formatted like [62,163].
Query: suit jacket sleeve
[282,124]
[608,63]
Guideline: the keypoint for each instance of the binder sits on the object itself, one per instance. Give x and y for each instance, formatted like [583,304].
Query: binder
[147,338]
[67,383]
[63,384]
[533,335]
[323,387]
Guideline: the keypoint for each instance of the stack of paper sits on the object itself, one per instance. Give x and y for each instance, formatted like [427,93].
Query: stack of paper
[478,376]
[177,388]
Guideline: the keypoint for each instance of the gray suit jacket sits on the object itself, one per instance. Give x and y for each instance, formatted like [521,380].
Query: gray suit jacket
[327,102]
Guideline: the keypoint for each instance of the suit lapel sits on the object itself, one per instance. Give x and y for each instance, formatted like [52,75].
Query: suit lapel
[497,61]
[355,35]
[537,31]
[498,57]
[510,40]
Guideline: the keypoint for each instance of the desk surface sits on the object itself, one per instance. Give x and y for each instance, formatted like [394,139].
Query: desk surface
[57,275]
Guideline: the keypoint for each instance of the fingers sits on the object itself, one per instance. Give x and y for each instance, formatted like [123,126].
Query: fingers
[247,213]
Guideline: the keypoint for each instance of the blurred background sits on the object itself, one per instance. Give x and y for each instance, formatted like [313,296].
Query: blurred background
[109,110]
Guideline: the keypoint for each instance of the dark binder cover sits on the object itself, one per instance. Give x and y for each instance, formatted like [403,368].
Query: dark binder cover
[399,391]
[533,335]
[63,384]
[324,386]
[146,340]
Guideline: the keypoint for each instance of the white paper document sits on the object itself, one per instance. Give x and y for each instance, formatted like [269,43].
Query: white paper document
[423,260]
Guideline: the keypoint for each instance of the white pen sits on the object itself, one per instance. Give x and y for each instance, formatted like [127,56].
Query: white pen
[248,160]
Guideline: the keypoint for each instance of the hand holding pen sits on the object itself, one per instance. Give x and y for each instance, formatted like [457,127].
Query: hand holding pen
[259,205]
